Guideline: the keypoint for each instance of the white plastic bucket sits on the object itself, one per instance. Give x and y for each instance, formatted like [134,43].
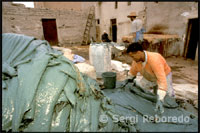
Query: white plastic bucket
[100,57]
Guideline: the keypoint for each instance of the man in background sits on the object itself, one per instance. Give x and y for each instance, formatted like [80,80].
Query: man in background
[104,37]
[137,29]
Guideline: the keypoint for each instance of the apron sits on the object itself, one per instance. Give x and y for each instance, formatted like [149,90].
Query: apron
[149,85]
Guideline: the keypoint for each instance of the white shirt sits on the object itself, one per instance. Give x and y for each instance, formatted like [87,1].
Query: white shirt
[145,61]
[137,25]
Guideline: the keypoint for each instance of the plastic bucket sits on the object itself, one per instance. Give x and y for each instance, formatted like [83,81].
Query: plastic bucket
[109,79]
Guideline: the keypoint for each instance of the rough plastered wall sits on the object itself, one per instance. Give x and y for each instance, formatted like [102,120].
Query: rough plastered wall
[106,11]
[170,18]
[70,24]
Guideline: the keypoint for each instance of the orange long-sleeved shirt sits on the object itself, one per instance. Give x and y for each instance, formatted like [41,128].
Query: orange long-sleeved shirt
[155,70]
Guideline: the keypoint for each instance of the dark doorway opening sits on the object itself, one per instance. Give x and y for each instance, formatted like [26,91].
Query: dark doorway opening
[114,30]
[191,39]
[50,31]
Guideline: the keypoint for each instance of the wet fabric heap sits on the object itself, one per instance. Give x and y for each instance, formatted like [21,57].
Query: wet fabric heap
[43,91]
[136,106]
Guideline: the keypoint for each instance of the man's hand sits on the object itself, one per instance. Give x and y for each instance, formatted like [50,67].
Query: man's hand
[131,78]
[159,107]
[161,94]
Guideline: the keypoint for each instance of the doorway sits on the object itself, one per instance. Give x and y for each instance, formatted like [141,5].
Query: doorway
[98,39]
[114,29]
[191,39]
[50,31]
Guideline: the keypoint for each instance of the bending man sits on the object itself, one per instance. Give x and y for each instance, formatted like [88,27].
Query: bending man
[154,69]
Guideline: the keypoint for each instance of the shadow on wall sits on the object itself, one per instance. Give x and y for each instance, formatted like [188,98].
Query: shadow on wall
[157,29]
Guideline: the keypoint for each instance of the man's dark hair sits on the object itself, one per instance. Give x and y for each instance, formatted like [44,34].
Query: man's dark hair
[105,38]
[134,47]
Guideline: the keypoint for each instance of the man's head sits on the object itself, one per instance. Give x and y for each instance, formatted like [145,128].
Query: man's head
[132,16]
[135,50]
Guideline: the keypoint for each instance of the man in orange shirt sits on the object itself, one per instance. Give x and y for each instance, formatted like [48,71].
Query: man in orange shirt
[154,69]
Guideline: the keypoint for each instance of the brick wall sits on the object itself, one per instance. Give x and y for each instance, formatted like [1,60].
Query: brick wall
[22,20]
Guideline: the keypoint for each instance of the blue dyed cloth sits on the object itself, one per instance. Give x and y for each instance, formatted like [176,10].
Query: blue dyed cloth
[78,58]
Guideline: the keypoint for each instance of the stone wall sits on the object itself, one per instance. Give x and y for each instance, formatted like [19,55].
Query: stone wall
[70,24]
[78,6]
[59,5]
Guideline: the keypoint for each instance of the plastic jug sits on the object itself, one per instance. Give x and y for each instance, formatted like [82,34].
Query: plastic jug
[100,57]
